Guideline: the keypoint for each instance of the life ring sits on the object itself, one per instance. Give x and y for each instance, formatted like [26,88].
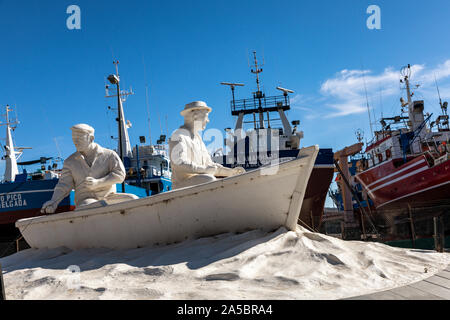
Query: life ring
[380,157]
[388,153]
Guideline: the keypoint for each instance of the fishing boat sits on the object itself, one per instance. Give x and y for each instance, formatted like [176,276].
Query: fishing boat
[23,194]
[405,170]
[266,198]
[267,142]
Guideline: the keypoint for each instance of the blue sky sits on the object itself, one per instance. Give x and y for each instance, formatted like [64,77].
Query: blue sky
[182,50]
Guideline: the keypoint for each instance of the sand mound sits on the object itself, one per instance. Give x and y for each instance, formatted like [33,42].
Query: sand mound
[252,265]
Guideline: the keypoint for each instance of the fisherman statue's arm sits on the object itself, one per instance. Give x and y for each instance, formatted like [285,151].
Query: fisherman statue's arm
[180,159]
[116,174]
[62,190]
[221,171]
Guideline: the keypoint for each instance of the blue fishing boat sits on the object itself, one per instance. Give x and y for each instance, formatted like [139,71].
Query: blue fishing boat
[23,194]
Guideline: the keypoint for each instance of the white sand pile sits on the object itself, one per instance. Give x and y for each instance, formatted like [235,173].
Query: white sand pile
[252,265]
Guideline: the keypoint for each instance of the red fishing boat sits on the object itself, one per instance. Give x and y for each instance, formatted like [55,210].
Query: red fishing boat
[406,170]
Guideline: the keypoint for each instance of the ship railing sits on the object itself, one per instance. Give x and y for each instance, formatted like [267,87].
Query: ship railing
[431,157]
[272,102]
[441,159]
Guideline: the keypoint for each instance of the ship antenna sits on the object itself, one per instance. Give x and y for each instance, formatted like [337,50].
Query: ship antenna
[167,124]
[257,71]
[116,63]
[146,100]
[232,86]
[439,94]
[258,94]
[367,101]
[57,147]
[148,114]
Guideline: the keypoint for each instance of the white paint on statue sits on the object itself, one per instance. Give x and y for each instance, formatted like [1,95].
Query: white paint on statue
[92,171]
[190,160]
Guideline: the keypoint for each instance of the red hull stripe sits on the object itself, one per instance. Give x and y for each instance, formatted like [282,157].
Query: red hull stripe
[400,178]
[413,193]
[397,172]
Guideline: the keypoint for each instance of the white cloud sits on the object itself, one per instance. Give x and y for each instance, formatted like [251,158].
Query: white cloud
[345,93]
[299,101]
[427,77]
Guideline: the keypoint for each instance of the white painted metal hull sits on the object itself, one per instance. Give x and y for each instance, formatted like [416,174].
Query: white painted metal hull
[266,199]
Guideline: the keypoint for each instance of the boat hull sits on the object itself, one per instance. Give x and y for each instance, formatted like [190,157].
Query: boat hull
[311,212]
[19,200]
[266,199]
[413,184]
[317,188]
[407,197]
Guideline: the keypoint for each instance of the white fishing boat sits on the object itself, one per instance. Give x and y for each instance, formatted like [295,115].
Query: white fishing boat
[266,198]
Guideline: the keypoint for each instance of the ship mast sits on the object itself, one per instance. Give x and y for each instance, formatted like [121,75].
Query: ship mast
[124,146]
[124,140]
[415,114]
[257,71]
[260,104]
[10,152]
[258,94]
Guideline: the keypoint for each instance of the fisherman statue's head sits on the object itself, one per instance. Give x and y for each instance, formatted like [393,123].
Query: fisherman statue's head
[196,115]
[82,137]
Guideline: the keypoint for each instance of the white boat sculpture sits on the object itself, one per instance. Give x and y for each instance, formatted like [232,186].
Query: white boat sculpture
[266,198]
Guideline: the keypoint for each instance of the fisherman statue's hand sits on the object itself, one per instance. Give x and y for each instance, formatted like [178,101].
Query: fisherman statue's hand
[91,183]
[211,169]
[238,170]
[228,172]
[49,207]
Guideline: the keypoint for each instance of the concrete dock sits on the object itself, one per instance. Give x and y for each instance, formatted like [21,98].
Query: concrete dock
[436,287]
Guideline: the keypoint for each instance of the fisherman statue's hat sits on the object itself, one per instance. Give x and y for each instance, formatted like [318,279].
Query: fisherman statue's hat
[82,128]
[196,105]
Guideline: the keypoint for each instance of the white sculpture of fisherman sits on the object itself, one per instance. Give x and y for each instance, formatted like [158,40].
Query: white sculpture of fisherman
[92,171]
[190,160]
